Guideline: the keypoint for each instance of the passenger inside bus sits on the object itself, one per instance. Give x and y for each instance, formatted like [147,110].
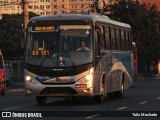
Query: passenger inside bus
[83,47]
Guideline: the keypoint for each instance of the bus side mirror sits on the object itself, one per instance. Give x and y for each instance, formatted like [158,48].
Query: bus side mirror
[99,29]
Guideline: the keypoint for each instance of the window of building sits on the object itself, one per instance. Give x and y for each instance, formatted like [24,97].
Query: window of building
[55,12]
[30,7]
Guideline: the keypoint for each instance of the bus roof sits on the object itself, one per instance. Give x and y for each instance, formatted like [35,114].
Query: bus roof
[75,16]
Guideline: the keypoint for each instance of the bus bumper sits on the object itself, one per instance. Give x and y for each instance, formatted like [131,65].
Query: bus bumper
[68,90]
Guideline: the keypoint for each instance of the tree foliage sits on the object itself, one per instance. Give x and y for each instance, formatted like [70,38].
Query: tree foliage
[11,34]
[145,22]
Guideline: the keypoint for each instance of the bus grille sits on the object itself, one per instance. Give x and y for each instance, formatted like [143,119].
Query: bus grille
[52,90]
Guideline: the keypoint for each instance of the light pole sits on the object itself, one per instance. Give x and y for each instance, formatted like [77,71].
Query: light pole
[25,19]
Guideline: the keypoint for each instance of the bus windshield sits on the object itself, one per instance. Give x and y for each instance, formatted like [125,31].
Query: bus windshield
[59,46]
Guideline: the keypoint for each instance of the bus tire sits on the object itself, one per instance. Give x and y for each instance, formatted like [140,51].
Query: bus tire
[99,98]
[3,91]
[110,95]
[41,100]
[120,94]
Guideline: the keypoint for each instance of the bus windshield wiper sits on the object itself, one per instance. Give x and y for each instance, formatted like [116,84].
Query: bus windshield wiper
[42,61]
[74,65]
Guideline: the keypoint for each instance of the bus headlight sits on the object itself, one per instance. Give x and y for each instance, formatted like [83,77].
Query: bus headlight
[86,78]
[31,80]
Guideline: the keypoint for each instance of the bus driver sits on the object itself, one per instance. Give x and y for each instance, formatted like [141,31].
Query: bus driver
[83,47]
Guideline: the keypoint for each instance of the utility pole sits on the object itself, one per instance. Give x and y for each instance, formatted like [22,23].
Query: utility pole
[25,19]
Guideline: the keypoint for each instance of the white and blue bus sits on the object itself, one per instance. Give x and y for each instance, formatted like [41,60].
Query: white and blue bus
[56,65]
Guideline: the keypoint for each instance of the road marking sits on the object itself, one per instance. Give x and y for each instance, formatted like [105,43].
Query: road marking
[143,102]
[93,116]
[49,101]
[10,108]
[122,108]
[158,98]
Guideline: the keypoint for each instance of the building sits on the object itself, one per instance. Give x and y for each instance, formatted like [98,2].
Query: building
[45,7]
[80,5]
[10,7]
[156,2]
[40,7]
[59,6]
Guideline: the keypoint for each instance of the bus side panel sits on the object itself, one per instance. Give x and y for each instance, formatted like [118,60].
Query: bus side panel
[122,62]
[113,66]
[102,69]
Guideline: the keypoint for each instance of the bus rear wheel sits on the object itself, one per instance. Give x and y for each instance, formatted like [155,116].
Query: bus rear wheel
[120,94]
[41,100]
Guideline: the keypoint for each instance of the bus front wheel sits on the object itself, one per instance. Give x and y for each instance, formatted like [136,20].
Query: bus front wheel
[41,100]
[100,98]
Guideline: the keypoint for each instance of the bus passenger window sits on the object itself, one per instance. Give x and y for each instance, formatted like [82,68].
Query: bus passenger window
[113,42]
[122,39]
[100,39]
[129,40]
[127,46]
[107,38]
[117,39]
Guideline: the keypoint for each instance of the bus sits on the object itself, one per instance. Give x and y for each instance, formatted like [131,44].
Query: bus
[56,66]
[2,75]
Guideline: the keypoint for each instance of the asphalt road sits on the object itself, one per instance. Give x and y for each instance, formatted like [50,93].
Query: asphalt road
[142,97]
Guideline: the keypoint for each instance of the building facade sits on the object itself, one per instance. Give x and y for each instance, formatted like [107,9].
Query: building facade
[45,7]
[10,7]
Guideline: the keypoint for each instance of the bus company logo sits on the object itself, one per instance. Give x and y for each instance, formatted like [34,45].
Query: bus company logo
[6,114]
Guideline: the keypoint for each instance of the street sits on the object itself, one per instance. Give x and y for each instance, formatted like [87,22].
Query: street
[143,96]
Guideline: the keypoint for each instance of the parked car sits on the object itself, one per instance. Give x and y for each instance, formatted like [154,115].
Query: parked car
[2,75]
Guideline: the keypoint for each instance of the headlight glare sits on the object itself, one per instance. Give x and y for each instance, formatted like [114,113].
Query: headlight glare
[86,78]
[28,78]
[89,77]
[31,80]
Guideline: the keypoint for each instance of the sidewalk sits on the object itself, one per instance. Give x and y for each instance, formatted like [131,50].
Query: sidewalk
[15,87]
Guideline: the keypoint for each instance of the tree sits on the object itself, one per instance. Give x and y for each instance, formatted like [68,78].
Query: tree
[11,33]
[145,22]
